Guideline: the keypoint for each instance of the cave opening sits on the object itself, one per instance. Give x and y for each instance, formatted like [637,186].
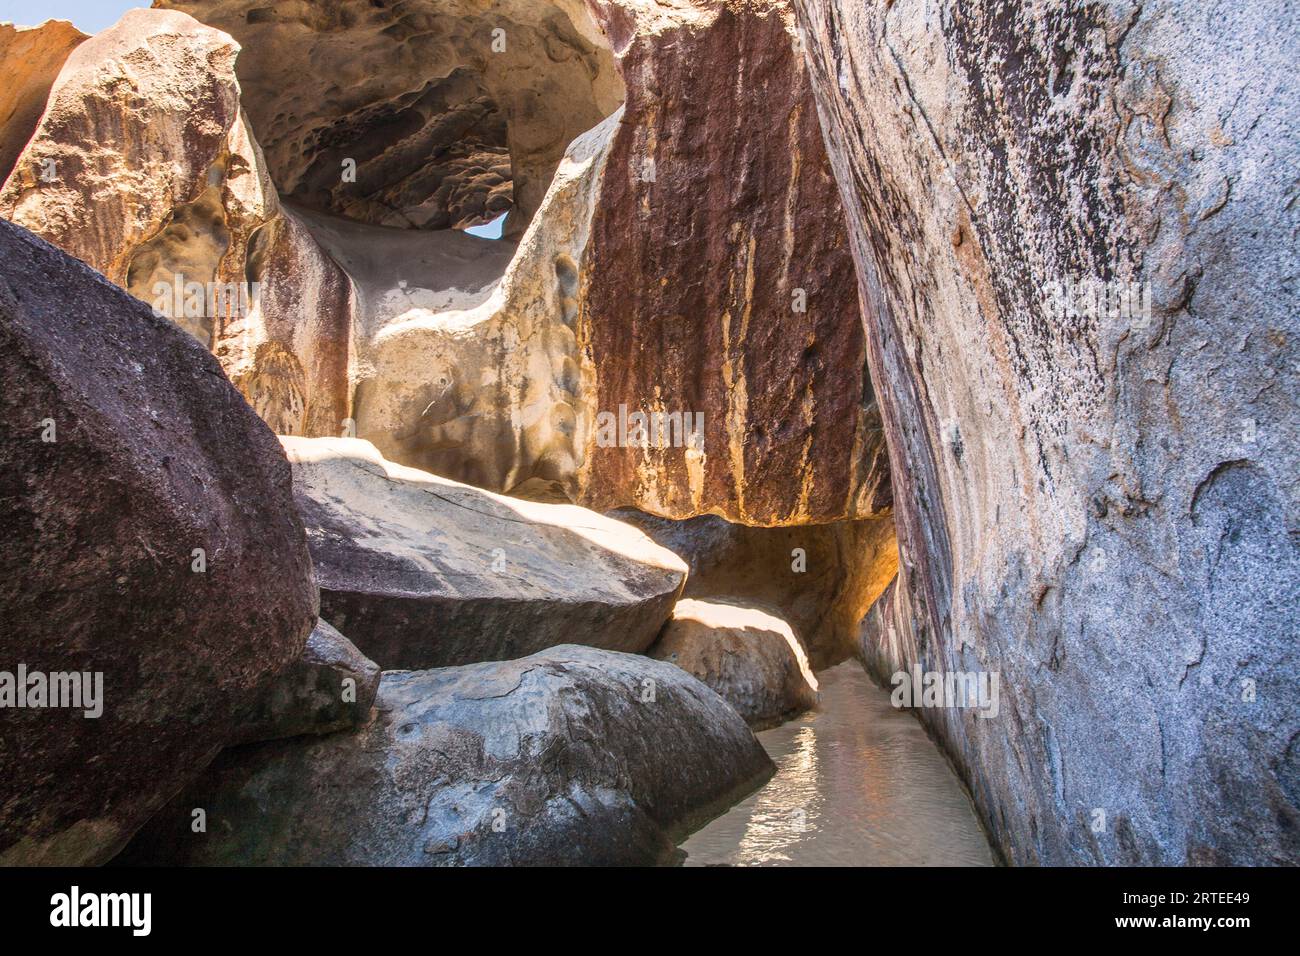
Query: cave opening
[419,116]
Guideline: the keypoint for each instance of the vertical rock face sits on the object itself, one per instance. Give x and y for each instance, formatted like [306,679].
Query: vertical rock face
[30,60]
[1100,504]
[719,281]
[143,166]
[152,554]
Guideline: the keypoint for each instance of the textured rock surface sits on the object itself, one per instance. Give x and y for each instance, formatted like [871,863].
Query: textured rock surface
[420,571]
[152,455]
[752,659]
[30,59]
[573,755]
[480,378]
[331,686]
[450,353]
[1102,508]
[717,206]
[821,578]
[159,183]
[292,355]
[139,128]
[435,100]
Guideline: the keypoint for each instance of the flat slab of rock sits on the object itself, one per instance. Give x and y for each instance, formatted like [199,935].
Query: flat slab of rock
[750,657]
[151,547]
[573,755]
[330,687]
[420,571]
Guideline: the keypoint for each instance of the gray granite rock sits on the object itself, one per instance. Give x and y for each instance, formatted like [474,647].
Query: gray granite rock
[1098,504]
[573,755]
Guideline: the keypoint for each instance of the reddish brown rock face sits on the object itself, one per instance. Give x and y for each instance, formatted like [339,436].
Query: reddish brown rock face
[718,219]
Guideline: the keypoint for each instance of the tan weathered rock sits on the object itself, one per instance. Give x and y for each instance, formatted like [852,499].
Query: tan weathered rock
[481,377]
[751,658]
[564,757]
[139,129]
[822,578]
[330,687]
[420,571]
[160,185]
[30,59]
[152,557]
[1098,504]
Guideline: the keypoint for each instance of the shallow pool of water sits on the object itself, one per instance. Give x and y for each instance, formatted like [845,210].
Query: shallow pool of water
[858,783]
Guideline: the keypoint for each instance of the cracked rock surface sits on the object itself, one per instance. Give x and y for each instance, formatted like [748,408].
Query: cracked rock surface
[1099,504]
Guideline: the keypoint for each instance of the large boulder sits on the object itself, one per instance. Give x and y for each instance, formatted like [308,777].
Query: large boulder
[144,167]
[137,133]
[750,657]
[330,687]
[420,571]
[1074,244]
[822,578]
[571,756]
[151,546]
[30,59]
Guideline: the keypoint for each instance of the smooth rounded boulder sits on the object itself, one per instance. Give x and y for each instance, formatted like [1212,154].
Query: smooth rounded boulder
[331,687]
[154,573]
[570,756]
[420,571]
[750,657]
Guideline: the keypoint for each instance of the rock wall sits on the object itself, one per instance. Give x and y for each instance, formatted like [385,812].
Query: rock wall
[1098,503]
[718,281]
